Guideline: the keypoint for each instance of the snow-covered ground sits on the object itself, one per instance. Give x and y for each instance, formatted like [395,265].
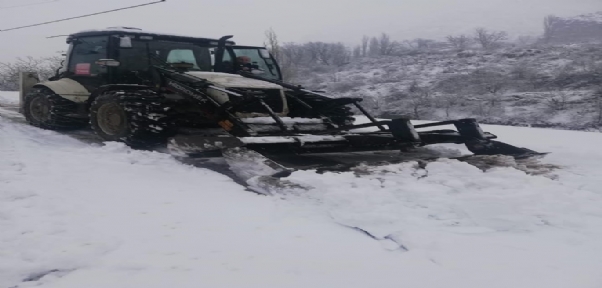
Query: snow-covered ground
[76,214]
[9,99]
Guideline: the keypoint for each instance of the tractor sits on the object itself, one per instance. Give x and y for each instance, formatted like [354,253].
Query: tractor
[210,96]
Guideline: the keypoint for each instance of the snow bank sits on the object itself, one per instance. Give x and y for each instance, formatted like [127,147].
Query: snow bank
[499,228]
[76,215]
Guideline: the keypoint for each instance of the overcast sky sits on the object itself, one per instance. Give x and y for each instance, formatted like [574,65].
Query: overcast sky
[293,20]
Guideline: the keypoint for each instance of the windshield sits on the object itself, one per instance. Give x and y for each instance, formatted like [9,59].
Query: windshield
[265,66]
[258,60]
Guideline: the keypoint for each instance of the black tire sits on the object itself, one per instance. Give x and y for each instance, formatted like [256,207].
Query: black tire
[45,109]
[138,118]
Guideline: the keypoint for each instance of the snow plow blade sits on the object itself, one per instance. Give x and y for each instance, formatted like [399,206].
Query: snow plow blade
[492,147]
[260,155]
[317,124]
[478,142]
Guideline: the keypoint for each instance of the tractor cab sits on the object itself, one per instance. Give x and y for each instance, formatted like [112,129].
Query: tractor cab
[127,56]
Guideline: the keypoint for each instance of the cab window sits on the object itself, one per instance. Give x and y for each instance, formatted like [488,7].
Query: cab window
[182,56]
[86,51]
[262,59]
[137,58]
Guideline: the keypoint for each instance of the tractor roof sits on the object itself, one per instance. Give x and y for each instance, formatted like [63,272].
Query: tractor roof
[136,31]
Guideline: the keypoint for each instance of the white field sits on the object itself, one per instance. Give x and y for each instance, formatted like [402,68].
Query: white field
[75,214]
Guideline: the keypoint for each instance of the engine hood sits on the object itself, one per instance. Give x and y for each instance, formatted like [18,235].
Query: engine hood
[232,80]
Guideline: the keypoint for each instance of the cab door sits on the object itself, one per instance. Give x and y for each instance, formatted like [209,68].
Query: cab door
[82,66]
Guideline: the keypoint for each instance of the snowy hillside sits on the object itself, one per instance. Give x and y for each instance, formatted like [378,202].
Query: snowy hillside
[591,17]
[543,86]
[81,214]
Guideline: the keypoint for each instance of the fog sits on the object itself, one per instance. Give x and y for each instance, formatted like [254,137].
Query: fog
[294,21]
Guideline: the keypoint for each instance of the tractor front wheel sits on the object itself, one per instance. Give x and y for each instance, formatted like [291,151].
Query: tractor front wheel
[138,118]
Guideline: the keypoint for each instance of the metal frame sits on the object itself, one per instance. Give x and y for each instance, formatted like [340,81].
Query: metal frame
[392,134]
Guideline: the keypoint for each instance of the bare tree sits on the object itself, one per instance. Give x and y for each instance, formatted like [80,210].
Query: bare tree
[490,84]
[292,57]
[419,44]
[318,52]
[374,46]
[9,71]
[420,98]
[287,64]
[339,54]
[558,100]
[272,44]
[460,42]
[357,51]
[550,27]
[409,44]
[327,53]
[322,51]
[489,39]
[423,44]
[292,53]
[385,45]
[448,101]
[365,41]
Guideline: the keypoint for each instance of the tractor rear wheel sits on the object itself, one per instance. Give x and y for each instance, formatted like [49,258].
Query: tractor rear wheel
[138,118]
[45,109]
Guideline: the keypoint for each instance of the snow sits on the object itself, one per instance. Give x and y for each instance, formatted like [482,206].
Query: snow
[285,120]
[9,99]
[137,31]
[267,139]
[290,139]
[112,217]
[268,124]
[78,214]
[233,81]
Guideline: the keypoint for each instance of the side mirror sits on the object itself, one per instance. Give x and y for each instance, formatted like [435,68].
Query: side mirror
[108,63]
[125,42]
